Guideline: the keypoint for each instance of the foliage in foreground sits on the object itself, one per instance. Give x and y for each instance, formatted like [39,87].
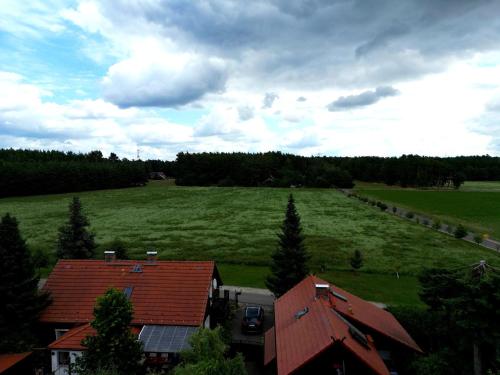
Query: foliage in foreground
[74,240]
[459,330]
[21,302]
[289,260]
[114,348]
[207,356]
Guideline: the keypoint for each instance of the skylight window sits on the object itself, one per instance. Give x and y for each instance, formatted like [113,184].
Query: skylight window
[137,268]
[128,291]
[356,334]
[301,313]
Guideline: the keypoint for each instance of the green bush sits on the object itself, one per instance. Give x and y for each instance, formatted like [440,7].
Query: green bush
[410,215]
[460,231]
[436,225]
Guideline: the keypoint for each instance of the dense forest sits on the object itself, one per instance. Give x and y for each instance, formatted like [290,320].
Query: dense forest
[268,169]
[26,172]
[278,169]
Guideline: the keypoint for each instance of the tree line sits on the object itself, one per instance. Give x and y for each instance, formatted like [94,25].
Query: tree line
[28,172]
[281,170]
[273,169]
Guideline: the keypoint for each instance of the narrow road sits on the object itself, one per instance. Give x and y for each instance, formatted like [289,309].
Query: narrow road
[448,229]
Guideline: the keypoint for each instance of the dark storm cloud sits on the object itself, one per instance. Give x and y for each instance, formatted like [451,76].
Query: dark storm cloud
[362,100]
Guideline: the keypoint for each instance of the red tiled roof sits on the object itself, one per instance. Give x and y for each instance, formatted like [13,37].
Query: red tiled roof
[9,360]
[298,341]
[366,313]
[72,340]
[164,293]
[269,346]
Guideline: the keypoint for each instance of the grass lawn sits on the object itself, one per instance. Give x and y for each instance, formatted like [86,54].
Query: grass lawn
[238,226]
[385,288]
[476,204]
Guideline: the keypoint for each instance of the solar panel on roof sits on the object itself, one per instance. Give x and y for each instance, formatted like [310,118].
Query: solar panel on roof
[166,339]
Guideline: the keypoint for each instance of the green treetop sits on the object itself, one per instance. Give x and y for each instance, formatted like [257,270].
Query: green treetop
[113,347]
[21,302]
[75,241]
[289,260]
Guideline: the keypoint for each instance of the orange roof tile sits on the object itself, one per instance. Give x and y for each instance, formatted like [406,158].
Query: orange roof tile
[299,340]
[9,360]
[269,346]
[164,293]
[72,340]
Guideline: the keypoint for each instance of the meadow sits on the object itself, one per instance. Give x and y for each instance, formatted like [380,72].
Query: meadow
[238,226]
[476,204]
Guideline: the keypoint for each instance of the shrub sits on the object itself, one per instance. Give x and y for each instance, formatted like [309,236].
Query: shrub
[460,231]
[436,225]
[425,222]
[394,209]
[410,215]
[40,258]
[478,238]
[382,206]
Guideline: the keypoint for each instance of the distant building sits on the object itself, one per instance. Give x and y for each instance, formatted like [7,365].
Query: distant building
[322,329]
[157,176]
[171,301]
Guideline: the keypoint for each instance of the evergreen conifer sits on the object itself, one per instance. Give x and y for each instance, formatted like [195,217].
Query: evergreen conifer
[20,300]
[289,260]
[74,240]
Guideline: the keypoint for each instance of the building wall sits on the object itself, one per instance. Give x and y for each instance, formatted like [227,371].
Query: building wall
[63,369]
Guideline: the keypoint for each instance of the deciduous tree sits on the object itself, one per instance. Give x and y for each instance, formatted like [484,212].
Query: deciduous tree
[114,347]
[207,356]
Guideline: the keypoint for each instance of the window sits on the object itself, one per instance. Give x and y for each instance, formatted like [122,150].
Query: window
[60,332]
[63,358]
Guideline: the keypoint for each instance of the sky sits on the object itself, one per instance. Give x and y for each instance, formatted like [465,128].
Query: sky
[311,77]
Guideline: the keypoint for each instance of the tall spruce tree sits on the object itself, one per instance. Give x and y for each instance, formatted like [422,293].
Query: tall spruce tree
[289,260]
[21,302]
[114,347]
[75,241]
[468,300]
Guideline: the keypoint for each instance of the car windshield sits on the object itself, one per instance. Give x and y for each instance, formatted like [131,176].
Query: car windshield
[252,312]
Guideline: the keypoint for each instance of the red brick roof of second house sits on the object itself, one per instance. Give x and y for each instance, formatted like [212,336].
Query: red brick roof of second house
[163,293]
[300,340]
[9,360]
[72,340]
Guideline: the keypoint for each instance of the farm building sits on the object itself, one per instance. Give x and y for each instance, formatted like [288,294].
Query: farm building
[171,301]
[320,328]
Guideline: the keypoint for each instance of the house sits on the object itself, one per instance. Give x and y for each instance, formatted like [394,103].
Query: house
[171,300]
[320,328]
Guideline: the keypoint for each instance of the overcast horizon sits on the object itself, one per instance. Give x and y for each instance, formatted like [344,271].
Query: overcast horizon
[315,77]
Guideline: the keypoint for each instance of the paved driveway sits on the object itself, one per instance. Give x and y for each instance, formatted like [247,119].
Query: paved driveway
[251,296]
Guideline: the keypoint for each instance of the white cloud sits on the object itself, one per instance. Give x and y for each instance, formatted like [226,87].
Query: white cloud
[155,77]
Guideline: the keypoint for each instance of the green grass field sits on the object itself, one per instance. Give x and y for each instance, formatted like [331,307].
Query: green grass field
[476,204]
[238,226]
